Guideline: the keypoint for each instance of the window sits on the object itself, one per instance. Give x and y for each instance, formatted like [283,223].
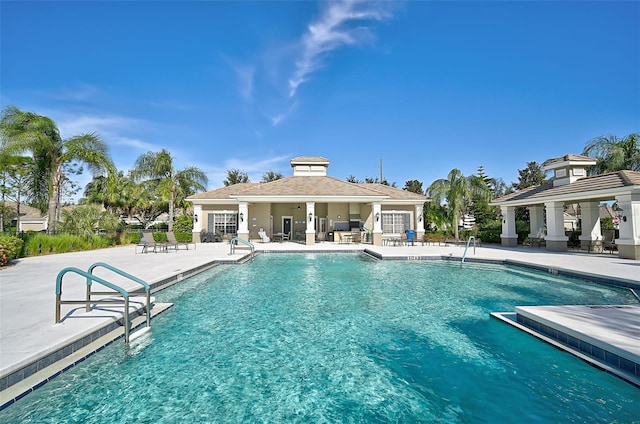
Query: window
[395,222]
[223,222]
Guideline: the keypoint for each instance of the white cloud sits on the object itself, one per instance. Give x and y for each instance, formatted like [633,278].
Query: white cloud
[275,120]
[112,129]
[253,167]
[245,81]
[80,92]
[332,31]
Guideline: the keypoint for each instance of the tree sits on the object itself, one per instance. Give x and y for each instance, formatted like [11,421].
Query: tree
[614,154]
[352,179]
[26,131]
[532,175]
[480,208]
[413,186]
[458,192]
[176,185]
[271,176]
[86,219]
[15,176]
[435,215]
[235,176]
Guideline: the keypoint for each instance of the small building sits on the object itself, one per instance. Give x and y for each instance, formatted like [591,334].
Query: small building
[31,219]
[571,185]
[309,206]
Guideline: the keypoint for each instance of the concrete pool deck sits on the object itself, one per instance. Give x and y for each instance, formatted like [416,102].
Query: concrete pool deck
[27,289]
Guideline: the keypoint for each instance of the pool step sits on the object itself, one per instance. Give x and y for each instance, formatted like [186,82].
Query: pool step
[586,332]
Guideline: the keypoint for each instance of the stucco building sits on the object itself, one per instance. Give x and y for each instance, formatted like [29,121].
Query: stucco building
[309,206]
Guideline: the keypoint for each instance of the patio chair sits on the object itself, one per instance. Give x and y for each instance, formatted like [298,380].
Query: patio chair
[173,242]
[609,240]
[264,238]
[286,236]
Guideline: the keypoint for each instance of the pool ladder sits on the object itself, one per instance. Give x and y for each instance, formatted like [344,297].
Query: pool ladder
[467,247]
[234,245]
[117,291]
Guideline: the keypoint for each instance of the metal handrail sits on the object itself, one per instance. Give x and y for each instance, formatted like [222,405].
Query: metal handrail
[90,278]
[465,249]
[234,243]
[147,287]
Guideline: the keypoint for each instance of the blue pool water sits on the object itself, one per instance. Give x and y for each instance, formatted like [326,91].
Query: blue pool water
[328,338]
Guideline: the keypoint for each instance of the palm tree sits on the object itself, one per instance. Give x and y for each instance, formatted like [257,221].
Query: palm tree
[26,131]
[458,191]
[269,176]
[235,176]
[614,154]
[158,167]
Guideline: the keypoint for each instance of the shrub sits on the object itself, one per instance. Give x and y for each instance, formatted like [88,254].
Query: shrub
[183,224]
[42,244]
[490,232]
[10,248]
[186,237]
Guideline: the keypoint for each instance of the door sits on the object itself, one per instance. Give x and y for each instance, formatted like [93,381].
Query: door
[286,224]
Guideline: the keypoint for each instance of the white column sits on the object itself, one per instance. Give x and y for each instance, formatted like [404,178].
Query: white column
[629,225]
[590,224]
[198,223]
[556,239]
[419,219]
[509,236]
[243,220]
[377,223]
[310,217]
[536,217]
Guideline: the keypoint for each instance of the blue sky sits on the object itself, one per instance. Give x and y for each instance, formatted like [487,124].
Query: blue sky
[424,86]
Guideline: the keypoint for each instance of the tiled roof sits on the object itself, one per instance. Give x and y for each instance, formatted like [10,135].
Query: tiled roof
[598,183]
[309,186]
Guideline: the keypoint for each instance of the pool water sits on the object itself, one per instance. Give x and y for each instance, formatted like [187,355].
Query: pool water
[328,338]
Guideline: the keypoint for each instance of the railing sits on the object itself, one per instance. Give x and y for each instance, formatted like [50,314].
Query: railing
[467,247]
[147,287]
[234,245]
[90,279]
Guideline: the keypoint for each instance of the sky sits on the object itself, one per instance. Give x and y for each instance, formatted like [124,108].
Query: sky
[419,87]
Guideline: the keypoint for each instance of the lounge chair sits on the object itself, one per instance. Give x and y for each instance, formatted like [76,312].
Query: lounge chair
[173,242]
[264,238]
[147,242]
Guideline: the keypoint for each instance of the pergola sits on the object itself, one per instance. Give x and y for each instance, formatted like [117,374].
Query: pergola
[570,185]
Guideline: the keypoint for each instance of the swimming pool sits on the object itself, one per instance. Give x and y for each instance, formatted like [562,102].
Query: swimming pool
[342,338]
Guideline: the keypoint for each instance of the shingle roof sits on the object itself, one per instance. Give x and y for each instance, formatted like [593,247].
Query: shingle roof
[594,184]
[567,158]
[26,211]
[309,186]
[309,159]
[222,193]
[395,193]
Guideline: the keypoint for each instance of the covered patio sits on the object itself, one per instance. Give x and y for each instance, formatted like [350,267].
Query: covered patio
[570,185]
[309,207]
